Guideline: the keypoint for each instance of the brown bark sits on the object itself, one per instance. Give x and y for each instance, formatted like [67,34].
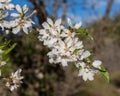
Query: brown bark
[108,9]
[64,11]
[40,8]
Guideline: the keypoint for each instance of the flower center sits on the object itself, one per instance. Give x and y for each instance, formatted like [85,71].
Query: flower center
[66,49]
[54,27]
[21,23]
[69,34]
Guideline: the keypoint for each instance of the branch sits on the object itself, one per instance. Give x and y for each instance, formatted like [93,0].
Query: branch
[64,11]
[40,8]
[108,9]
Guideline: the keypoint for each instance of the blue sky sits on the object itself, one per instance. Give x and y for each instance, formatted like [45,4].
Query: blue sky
[77,13]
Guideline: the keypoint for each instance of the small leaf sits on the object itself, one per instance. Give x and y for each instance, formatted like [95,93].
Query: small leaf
[4,44]
[76,51]
[105,74]
[9,49]
[87,60]
[90,36]
[84,32]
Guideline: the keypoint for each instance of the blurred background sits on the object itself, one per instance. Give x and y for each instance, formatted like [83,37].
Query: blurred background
[101,17]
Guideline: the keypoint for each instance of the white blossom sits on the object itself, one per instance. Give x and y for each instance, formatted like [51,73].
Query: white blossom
[76,26]
[21,11]
[25,25]
[86,72]
[97,63]
[5,4]
[22,22]
[15,80]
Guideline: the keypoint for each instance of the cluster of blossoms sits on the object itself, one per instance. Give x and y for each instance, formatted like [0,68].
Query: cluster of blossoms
[21,20]
[66,47]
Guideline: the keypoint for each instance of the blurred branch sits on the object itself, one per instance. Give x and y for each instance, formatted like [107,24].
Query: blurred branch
[55,8]
[64,11]
[108,9]
[40,8]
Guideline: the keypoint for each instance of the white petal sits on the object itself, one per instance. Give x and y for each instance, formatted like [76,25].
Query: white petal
[85,77]
[85,55]
[82,64]
[90,76]
[78,25]
[16,30]
[50,21]
[15,15]
[97,63]
[45,25]
[69,22]
[19,9]
[12,88]
[69,43]
[10,6]
[25,9]
[1,51]
[25,30]
[58,22]
[0,73]
[64,62]
[2,63]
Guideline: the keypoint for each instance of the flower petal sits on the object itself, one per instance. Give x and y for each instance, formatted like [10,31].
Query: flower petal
[50,21]
[45,25]
[19,9]
[78,25]
[97,63]
[58,22]
[69,22]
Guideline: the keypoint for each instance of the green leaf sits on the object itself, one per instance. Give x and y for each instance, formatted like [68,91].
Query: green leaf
[76,51]
[4,44]
[87,60]
[105,74]
[84,32]
[9,49]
